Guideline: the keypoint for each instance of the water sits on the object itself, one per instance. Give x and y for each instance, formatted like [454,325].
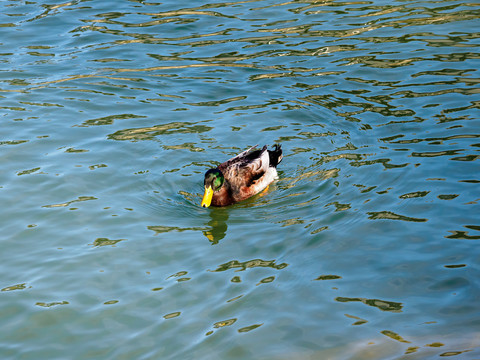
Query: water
[365,248]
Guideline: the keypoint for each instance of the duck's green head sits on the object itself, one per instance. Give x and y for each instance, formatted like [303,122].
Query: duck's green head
[213,182]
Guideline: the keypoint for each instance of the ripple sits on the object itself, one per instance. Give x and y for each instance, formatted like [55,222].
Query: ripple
[250,264]
[380,304]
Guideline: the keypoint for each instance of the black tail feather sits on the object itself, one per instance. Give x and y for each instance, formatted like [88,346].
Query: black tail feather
[275,155]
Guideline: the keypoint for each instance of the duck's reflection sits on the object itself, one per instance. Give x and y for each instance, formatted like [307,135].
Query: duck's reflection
[217,225]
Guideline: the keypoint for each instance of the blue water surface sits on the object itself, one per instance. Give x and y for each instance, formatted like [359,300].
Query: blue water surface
[364,248]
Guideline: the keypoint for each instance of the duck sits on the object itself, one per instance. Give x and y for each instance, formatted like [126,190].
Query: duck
[242,176]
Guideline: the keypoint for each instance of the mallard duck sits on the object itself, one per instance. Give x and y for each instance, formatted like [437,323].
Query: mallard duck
[242,176]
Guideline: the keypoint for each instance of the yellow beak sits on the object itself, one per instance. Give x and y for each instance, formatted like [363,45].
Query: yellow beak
[207,196]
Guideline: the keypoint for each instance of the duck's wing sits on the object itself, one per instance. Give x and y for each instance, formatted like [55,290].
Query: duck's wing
[238,159]
[245,168]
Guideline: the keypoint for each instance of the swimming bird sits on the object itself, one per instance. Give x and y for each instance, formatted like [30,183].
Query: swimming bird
[242,176]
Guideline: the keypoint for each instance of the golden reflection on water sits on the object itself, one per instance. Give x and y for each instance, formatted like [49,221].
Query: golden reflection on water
[68,203]
[150,133]
[383,305]
[241,266]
